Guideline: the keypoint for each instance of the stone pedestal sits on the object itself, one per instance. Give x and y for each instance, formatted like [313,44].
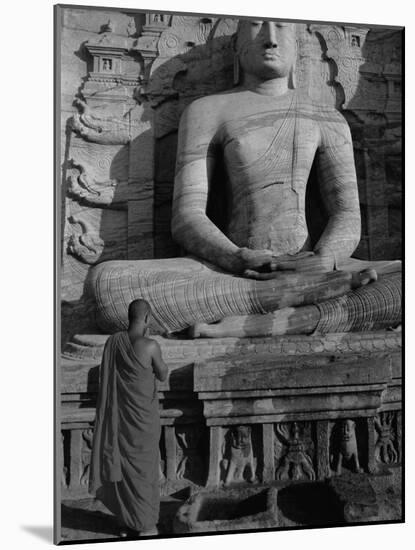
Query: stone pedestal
[254,410]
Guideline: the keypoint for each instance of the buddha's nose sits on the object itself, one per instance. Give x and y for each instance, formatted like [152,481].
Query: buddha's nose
[270,38]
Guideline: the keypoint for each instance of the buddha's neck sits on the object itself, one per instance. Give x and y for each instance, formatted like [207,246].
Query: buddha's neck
[274,87]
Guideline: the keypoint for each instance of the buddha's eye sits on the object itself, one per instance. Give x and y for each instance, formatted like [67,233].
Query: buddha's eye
[256,23]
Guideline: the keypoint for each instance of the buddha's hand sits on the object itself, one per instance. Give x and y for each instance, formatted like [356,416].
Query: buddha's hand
[307,261]
[257,260]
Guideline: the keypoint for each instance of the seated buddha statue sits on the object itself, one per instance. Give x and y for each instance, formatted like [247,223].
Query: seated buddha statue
[262,270]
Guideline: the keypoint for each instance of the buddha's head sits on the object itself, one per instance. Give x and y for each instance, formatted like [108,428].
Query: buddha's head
[266,49]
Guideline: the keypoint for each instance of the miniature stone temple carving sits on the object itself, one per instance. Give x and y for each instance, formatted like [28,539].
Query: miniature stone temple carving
[268,135]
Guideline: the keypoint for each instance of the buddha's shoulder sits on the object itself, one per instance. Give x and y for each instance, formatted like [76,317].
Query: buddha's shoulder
[215,102]
[319,111]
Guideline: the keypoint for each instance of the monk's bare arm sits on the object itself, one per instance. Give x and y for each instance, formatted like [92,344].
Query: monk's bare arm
[337,177]
[159,366]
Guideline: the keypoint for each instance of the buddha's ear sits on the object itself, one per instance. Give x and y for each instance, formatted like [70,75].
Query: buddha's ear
[236,66]
[236,69]
[292,80]
[234,39]
[292,77]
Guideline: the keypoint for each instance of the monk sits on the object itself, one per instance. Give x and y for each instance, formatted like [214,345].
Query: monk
[267,134]
[124,471]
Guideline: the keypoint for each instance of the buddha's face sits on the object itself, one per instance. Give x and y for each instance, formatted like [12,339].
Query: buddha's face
[266,49]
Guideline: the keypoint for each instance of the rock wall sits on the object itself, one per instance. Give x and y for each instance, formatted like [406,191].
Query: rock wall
[126,78]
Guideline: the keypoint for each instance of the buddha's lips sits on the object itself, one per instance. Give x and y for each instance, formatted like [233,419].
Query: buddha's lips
[270,55]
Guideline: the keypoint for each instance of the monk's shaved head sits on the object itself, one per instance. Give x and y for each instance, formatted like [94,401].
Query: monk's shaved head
[138,310]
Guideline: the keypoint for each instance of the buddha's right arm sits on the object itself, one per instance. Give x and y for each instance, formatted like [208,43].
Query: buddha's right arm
[191,228]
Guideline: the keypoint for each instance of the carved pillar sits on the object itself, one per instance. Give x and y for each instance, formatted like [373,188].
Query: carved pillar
[322,451]
[75,460]
[371,462]
[171,452]
[399,434]
[215,445]
[61,462]
[268,473]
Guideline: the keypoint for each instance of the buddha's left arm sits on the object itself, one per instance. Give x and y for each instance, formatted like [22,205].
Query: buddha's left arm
[338,186]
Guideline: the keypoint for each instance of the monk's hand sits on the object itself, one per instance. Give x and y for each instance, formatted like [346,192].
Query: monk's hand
[304,262]
[255,260]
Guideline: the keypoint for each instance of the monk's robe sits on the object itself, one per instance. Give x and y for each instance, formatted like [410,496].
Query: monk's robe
[124,468]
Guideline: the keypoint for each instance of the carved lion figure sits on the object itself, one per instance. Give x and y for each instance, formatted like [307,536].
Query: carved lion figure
[241,456]
[346,448]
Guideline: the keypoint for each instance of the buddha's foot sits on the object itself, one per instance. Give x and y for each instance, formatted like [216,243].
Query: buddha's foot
[287,320]
[214,330]
[197,330]
[363,278]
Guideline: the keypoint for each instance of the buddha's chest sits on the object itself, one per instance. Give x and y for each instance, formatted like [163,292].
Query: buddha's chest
[261,146]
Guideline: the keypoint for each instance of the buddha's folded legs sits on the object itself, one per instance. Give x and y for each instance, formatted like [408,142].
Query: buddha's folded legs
[183,292]
[374,306]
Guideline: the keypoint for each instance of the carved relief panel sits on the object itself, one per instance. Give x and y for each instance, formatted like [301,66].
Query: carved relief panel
[107,170]
[346,449]
[239,455]
[294,451]
[387,447]
[86,450]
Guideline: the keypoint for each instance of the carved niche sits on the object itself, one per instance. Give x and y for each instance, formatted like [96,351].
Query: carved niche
[189,450]
[112,65]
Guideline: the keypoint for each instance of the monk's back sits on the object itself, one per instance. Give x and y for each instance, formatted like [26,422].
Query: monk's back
[136,383]
[142,348]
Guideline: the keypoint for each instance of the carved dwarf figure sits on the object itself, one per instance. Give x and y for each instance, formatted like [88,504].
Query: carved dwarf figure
[296,463]
[385,445]
[268,135]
